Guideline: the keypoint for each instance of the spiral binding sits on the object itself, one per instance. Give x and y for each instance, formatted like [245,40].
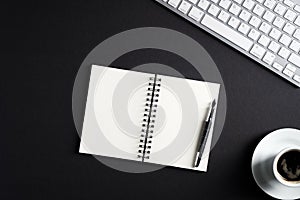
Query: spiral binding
[148,120]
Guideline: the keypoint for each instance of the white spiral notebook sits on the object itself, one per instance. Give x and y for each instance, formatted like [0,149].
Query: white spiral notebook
[146,117]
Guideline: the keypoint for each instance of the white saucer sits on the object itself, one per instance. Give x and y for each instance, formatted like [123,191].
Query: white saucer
[262,162]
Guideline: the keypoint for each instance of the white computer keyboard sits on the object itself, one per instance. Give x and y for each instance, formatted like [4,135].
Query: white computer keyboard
[267,31]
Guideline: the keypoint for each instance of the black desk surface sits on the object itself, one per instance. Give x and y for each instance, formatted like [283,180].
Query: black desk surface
[44,45]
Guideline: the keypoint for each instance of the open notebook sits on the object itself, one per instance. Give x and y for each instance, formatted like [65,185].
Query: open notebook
[128,112]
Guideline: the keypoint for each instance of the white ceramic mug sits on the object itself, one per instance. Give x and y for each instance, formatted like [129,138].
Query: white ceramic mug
[278,176]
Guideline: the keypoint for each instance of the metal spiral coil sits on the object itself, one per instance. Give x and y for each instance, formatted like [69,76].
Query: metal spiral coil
[148,120]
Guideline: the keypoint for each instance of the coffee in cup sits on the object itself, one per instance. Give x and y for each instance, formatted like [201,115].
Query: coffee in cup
[286,167]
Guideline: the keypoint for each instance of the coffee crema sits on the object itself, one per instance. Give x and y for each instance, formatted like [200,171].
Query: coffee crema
[288,166]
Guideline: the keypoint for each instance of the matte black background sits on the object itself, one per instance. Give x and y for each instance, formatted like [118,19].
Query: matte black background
[43,45]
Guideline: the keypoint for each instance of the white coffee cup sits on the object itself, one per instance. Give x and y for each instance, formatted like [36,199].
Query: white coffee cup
[278,176]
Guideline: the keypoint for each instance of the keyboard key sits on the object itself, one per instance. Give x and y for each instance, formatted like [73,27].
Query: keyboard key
[234,22]
[274,47]
[244,28]
[295,46]
[184,7]
[203,4]
[174,3]
[225,4]
[285,40]
[288,73]
[297,78]
[270,4]
[265,28]
[255,21]
[264,40]
[297,34]
[258,51]
[297,21]
[259,10]
[289,28]
[249,4]
[269,58]
[284,53]
[295,59]
[245,15]
[269,16]
[291,68]
[297,8]
[239,1]
[230,35]
[290,15]
[280,9]
[213,10]
[196,14]
[224,16]
[235,9]
[289,3]
[279,22]
[193,1]
[275,33]
[278,66]
[254,34]
[260,1]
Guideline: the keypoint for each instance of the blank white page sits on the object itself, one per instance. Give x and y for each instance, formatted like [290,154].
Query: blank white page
[182,107]
[114,110]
